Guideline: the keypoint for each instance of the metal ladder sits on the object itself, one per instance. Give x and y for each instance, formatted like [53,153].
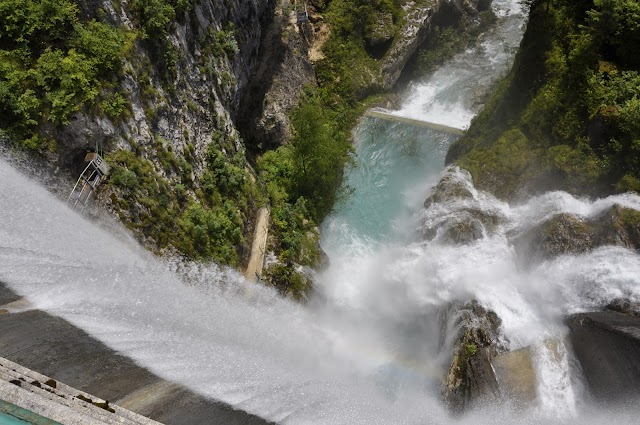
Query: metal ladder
[89,179]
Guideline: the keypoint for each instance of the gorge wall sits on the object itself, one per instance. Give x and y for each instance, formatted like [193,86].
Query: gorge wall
[185,97]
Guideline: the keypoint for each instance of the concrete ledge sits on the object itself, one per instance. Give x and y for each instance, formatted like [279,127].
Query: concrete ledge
[54,400]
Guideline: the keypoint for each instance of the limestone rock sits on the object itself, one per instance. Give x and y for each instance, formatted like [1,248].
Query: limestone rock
[415,29]
[410,36]
[285,70]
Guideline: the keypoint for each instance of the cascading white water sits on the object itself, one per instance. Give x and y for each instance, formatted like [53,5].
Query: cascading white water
[368,350]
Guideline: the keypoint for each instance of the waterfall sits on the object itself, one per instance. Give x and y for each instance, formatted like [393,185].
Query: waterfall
[369,348]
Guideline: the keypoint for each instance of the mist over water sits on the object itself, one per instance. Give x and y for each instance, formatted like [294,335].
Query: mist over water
[371,347]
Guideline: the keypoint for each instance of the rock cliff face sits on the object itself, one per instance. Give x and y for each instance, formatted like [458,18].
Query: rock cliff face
[203,95]
[284,70]
[421,14]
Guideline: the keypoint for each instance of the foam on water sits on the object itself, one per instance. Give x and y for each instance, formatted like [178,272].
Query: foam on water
[452,95]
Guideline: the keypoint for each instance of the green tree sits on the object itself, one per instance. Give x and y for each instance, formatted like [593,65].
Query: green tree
[319,156]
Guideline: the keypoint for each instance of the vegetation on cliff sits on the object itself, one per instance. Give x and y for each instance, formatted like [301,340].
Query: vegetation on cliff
[52,64]
[567,115]
[60,57]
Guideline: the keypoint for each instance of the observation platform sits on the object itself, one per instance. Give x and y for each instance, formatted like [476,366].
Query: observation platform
[90,178]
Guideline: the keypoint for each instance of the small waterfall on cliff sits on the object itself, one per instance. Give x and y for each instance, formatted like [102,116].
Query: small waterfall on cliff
[370,348]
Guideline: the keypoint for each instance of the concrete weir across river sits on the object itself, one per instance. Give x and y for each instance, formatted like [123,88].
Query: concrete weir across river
[383,115]
[52,346]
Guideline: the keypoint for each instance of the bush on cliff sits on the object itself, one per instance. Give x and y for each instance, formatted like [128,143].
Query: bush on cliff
[51,65]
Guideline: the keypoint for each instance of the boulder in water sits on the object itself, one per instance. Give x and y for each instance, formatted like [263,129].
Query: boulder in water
[570,234]
[456,214]
[471,381]
[619,226]
[453,185]
[625,306]
[463,231]
[562,234]
[607,345]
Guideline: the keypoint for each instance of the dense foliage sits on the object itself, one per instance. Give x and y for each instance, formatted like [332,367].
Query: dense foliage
[202,218]
[51,65]
[304,179]
[567,116]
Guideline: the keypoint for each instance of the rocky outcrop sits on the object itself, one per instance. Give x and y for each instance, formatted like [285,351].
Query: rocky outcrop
[619,226]
[201,98]
[570,234]
[382,32]
[453,185]
[454,213]
[470,381]
[284,71]
[420,15]
[625,306]
[562,234]
[409,38]
[607,345]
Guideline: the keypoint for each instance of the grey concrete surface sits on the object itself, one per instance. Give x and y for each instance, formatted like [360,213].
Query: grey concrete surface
[53,347]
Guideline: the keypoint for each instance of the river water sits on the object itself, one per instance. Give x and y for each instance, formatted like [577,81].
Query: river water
[367,349]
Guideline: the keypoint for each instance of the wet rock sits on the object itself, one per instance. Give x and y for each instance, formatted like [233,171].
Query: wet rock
[562,234]
[625,306]
[450,187]
[619,226]
[570,234]
[516,376]
[471,381]
[607,345]
[455,214]
[463,232]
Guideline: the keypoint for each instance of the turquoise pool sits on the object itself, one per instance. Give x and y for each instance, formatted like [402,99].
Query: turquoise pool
[10,414]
